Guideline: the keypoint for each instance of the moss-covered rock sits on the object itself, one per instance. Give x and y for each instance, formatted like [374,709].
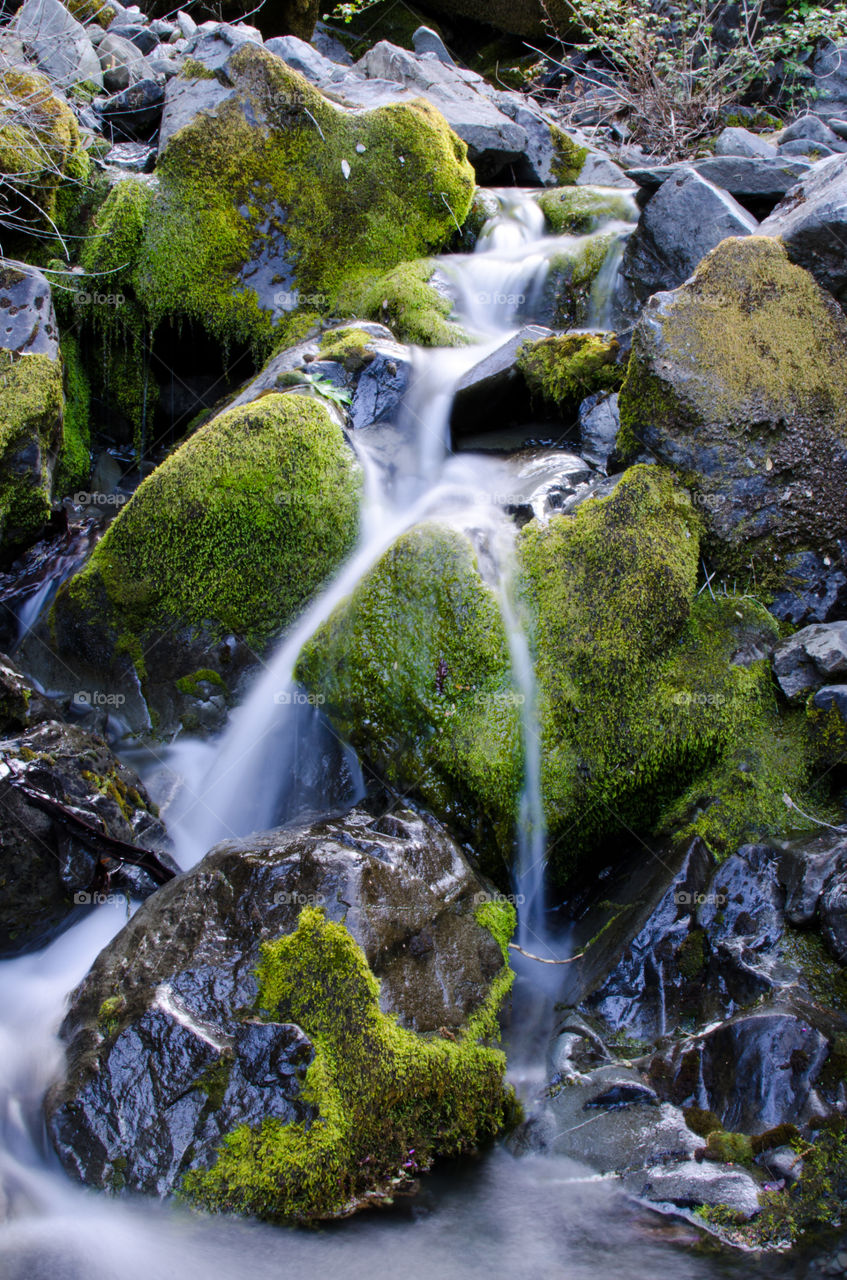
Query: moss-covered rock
[352,972]
[639,693]
[566,298]
[74,462]
[40,145]
[233,533]
[582,210]
[269,203]
[31,404]
[738,380]
[406,300]
[564,370]
[414,669]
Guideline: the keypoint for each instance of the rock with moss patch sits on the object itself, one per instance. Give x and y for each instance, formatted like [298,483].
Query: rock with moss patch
[414,671]
[307,1020]
[270,199]
[738,380]
[31,402]
[646,687]
[564,370]
[229,538]
[59,43]
[582,210]
[48,867]
[568,297]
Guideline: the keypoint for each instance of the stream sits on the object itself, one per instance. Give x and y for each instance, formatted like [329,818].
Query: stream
[530,1216]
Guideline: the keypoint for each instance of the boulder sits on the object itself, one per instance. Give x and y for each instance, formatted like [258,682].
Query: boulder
[689,1185]
[745,177]
[134,113]
[58,42]
[681,223]
[810,658]
[599,423]
[736,141]
[224,542]
[736,380]
[52,866]
[121,61]
[31,402]
[808,128]
[829,86]
[811,222]
[414,671]
[40,146]
[495,384]
[214,251]
[240,1041]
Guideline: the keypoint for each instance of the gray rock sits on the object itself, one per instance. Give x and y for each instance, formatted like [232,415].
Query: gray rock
[812,223]
[186,24]
[832,697]
[815,588]
[809,659]
[330,46]
[838,127]
[833,903]
[213,47]
[600,170]
[59,43]
[144,39]
[829,86]
[27,319]
[486,381]
[136,1097]
[681,223]
[782,1163]
[741,142]
[809,128]
[493,139]
[135,113]
[184,100]
[742,176]
[306,59]
[814,150]
[599,423]
[425,40]
[688,1185]
[121,62]
[805,866]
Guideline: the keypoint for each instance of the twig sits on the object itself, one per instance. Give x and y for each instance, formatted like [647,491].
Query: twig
[513,946]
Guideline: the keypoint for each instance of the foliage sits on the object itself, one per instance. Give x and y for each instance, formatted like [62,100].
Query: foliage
[676,72]
[813,1200]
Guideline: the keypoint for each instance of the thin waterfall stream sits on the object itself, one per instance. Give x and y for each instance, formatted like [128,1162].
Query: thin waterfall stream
[535,1216]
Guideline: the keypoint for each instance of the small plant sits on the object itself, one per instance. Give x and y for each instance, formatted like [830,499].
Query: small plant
[818,1196]
[326,388]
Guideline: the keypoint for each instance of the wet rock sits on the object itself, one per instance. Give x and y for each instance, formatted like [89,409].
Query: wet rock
[688,1185]
[681,223]
[49,868]
[495,381]
[59,43]
[745,177]
[766,447]
[741,142]
[811,222]
[599,423]
[544,482]
[174,1040]
[804,869]
[833,907]
[136,112]
[814,587]
[810,658]
[136,157]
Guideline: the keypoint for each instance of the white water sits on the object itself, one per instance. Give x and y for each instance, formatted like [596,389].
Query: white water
[525,1218]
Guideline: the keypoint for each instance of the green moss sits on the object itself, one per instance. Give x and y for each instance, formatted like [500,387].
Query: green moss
[92,11]
[31,404]
[295,179]
[569,157]
[500,919]
[782,1135]
[109,1014]
[691,955]
[570,281]
[404,300]
[388,1101]
[111,251]
[582,210]
[414,668]
[214,1082]
[74,462]
[823,977]
[701,1122]
[639,697]
[564,370]
[39,140]
[192,686]
[232,533]
[729,1148]
[350,347]
[191,69]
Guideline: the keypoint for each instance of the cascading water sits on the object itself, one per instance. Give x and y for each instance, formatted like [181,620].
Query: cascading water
[466,1224]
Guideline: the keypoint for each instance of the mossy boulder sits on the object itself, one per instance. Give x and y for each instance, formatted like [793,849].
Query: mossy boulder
[582,210]
[564,370]
[644,686]
[40,147]
[270,200]
[231,535]
[408,300]
[321,1002]
[414,670]
[738,380]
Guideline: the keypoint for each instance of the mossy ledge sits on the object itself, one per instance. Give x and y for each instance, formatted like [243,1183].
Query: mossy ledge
[233,533]
[566,369]
[389,1101]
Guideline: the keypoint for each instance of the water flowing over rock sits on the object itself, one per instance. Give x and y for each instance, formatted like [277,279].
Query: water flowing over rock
[185,1041]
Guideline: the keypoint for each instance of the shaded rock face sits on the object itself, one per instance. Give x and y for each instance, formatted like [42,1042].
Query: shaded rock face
[27,319]
[812,223]
[48,868]
[682,222]
[165,1057]
[736,381]
[812,657]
